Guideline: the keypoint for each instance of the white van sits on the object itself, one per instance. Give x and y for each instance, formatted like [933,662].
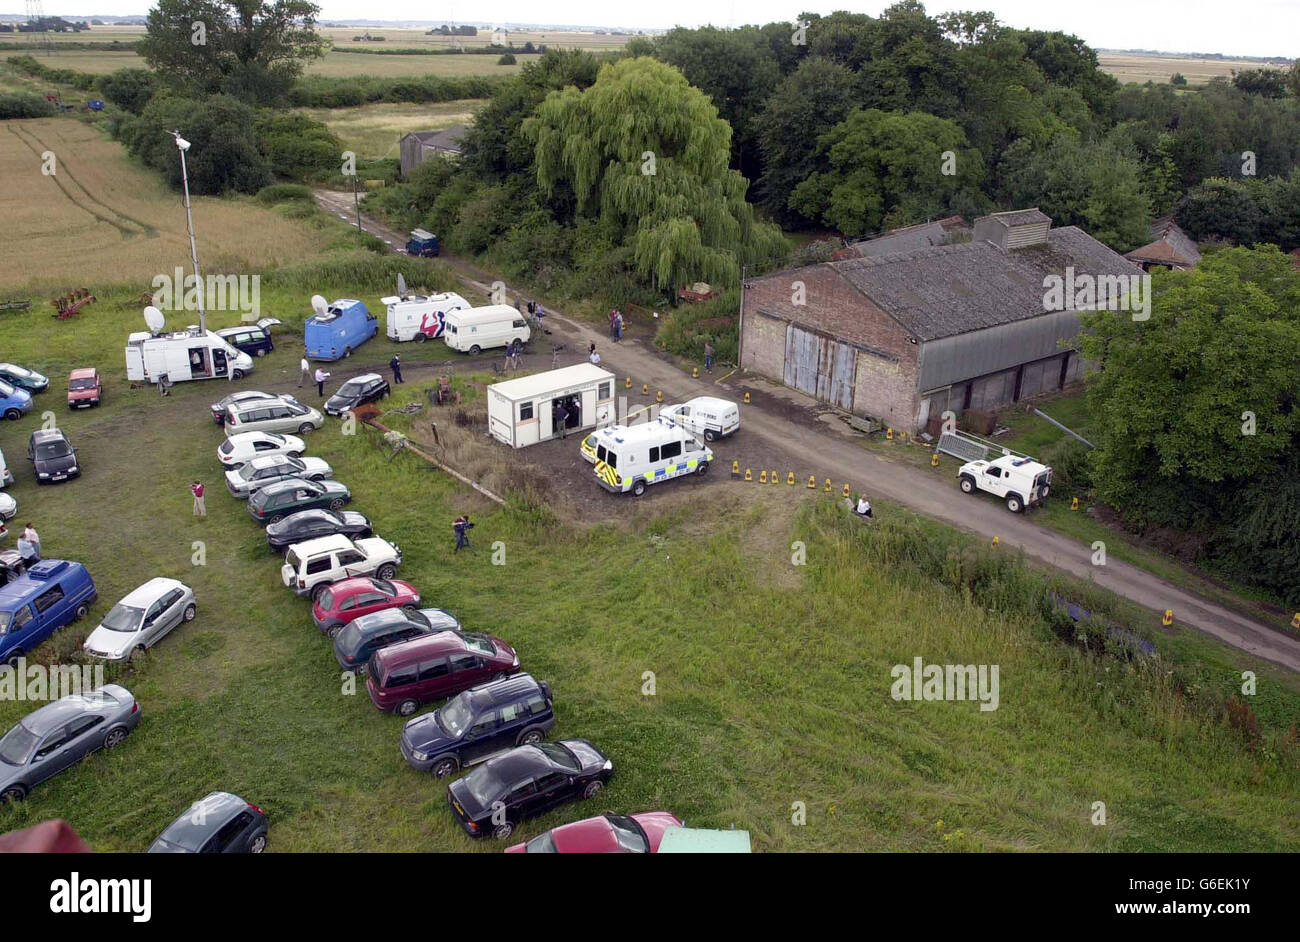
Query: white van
[420,317]
[705,415]
[632,457]
[475,329]
[6,476]
[183,355]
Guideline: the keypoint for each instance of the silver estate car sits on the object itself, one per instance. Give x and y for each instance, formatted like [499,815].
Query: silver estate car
[248,477]
[59,734]
[141,618]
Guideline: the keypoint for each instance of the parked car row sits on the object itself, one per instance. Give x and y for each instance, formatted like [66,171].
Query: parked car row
[18,385]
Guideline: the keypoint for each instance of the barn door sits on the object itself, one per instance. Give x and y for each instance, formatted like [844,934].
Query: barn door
[820,366]
[802,353]
[843,374]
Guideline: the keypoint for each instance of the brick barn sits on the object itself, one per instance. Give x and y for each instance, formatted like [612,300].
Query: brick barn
[904,336]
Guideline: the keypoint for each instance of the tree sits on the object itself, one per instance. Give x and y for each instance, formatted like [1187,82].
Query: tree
[1178,79]
[224,155]
[1270,83]
[888,169]
[253,49]
[647,156]
[1220,209]
[129,89]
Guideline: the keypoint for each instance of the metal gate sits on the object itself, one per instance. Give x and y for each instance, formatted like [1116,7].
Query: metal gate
[820,366]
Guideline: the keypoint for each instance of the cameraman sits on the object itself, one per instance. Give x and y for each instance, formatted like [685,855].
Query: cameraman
[462,526]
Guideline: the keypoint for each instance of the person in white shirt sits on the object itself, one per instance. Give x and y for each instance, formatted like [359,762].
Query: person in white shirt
[306,369]
[32,550]
[321,376]
[864,507]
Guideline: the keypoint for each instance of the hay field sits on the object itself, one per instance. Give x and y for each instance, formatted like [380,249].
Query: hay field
[103,218]
[1132,67]
[374,130]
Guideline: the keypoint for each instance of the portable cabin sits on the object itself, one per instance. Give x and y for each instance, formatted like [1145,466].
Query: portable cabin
[333,333]
[522,411]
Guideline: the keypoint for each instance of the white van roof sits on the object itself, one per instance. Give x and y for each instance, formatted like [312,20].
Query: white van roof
[488,312]
[446,297]
[644,432]
[552,381]
[712,403]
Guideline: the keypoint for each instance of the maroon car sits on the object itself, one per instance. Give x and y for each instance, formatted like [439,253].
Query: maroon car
[351,598]
[608,833]
[402,676]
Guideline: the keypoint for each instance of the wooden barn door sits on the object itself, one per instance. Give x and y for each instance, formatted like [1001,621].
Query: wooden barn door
[820,366]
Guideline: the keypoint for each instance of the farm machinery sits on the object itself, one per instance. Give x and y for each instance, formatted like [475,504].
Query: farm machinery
[70,304]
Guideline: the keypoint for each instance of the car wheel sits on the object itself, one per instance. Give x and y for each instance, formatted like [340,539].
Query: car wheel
[114,737]
[710,435]
[14,657]
[190,611]
[337,503]
[333,630]
[406,707]
[593,789]
[81,611]
[276,519]
[317,590]
[702,467]
[502,831]
[531,737]
[1013,503]
[136,654]
[384,394]
[257,845]
[13,793]
[261,353]
[386,571]
[13,415]
[475,350]
[967,484]
[638,488]
[420,338]
[305,428]
[238,374]
[444,767]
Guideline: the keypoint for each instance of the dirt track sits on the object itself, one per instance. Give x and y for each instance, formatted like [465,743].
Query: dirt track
[777,432]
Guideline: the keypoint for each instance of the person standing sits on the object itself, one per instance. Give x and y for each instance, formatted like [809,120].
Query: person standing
[461,527]
[618,325]
[708,357]
[541,313]
[561,419]
[305,368]
[396,365]
[34,541]
[200,510]
[321,376]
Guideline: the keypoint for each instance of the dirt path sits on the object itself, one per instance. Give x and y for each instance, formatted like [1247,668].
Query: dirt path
[806,446]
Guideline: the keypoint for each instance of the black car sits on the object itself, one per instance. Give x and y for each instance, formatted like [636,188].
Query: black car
[220,823]
[53,456]
[479,724]
[273,503]
[362,637]
[368,388]
[527,781]
[309,524]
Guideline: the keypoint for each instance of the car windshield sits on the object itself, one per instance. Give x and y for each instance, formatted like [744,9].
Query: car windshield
[122,618]
[6,389]
[275,439]
[81,384]
[560,755]
[295,409]
[480,644]
[54,449]
[17,745]
[384,586]
[326,601]
[456,716]
[628,833]
[541,844]
[16,370]
[352,388]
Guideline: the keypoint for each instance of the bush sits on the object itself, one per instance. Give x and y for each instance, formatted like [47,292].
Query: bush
[296,146]
[507,59]
[129,89]
[24,105]
[225,155]
[1071,469]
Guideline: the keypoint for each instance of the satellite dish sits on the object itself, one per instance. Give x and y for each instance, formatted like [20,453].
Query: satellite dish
[154,319]
[319,304]
[401,285]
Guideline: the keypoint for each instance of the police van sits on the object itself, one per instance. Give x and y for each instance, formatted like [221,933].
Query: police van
[706,415]
[632,457]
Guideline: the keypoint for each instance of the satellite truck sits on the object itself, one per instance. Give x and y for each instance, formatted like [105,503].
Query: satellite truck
[419,317]
[164,358]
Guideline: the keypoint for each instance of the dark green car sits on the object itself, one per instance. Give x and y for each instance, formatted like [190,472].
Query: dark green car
[273,503]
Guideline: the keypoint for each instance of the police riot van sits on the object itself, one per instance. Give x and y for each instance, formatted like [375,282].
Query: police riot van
[632,457]
[419,317]
[183,355]
[1022,482]
[705,415]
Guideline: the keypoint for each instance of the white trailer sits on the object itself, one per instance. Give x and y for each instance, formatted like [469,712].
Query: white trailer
[183,355]
[420,317]
[523,411]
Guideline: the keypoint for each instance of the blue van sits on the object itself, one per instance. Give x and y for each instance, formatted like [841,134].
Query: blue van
[334,334]
[14,401]
[49,595]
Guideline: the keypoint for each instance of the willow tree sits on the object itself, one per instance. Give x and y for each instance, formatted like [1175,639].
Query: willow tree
[647,156]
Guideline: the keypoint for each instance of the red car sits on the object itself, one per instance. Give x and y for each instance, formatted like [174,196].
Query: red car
[85,388]
[352,598]
[402,676]
[607,834]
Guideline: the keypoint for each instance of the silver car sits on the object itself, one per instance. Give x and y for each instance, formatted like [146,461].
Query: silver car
[271,469]
[59,734]
[140,619]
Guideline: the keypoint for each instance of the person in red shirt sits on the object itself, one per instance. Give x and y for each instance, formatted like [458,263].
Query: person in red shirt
[197,490]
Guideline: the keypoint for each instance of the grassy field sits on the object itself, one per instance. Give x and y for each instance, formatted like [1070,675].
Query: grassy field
[374,130]
[1133,67]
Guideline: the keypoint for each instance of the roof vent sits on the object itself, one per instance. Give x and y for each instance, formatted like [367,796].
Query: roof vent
[1017,229]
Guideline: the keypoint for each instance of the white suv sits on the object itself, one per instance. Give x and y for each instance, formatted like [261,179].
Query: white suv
[309,567]
[1022,482]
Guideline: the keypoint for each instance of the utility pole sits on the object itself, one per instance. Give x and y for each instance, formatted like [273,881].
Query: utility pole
[184,145]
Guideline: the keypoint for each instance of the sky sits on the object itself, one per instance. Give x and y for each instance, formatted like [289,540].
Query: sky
[1256,28]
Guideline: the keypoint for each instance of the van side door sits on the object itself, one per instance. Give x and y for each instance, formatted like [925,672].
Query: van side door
[51,609]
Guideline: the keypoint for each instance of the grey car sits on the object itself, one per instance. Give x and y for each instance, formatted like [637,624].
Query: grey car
[59,734]
[271,469]
[218,823]
[141,619]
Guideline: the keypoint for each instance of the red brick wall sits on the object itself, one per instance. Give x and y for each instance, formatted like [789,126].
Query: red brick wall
[885,387]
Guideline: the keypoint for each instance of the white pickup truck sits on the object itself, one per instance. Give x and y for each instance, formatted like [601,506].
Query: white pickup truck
[1022,482]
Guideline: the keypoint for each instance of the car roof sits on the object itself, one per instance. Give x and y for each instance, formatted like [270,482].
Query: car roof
[83,372]
[365,378]
[288,484]
[710,402]
[266,461]
[518,763]
[38,577]
[48,435]
[416,648]
[53,715]
[514,687]
[257,435]
[322,544]
[218,808]
[151,591]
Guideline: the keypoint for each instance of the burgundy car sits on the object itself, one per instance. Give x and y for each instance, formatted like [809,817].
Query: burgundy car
[352,598]
[608,833]
[402,676]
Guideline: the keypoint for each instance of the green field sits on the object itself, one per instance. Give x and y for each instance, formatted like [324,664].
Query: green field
[373,131]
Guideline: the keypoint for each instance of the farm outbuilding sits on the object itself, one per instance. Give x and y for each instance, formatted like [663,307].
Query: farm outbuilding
[1170,247]
[905,336]
[523,411]
[418,146]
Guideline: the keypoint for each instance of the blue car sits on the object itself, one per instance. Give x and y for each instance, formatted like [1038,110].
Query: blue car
[49,595]
[14,401]
[338,330]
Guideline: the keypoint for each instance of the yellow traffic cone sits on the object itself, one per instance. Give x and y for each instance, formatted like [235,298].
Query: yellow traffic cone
[789,479]
[762,476]
[1168,618]
[749,475]
[812,482]
[934,460]
[746,398]
[735,469]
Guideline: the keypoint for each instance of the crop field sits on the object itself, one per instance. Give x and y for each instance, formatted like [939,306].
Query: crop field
[101,217]
[373,130]
[1133,67]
